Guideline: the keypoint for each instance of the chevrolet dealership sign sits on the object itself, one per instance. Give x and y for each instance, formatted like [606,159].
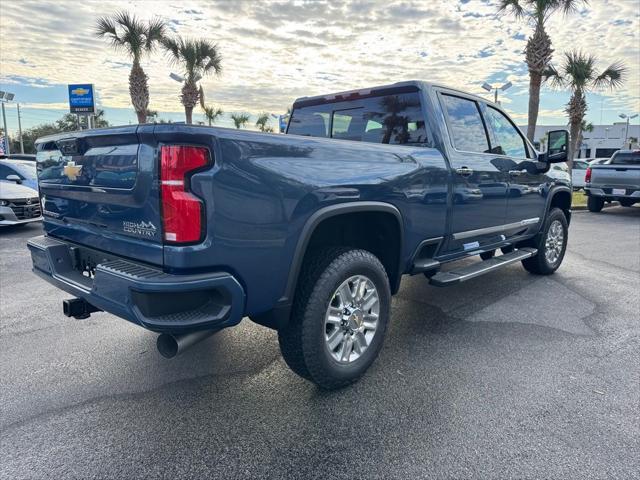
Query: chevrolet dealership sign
[81,98]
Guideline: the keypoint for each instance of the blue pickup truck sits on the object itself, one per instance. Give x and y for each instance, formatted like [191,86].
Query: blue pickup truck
[185,230]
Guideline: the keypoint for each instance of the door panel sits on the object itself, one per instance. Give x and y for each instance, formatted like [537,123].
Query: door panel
[480,185]
[525,196]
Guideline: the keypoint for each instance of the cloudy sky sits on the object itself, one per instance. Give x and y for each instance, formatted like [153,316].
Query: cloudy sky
[274,52]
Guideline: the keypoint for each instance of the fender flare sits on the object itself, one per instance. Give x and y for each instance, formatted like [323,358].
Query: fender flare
[319,216]
[553,192]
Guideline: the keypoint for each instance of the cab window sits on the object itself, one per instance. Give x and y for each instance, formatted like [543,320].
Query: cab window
[465,124]
[395,118]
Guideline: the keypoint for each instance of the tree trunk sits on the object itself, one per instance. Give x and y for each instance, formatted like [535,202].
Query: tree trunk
[535,81]
[538,53]
[573,143]
[189,97]
[576,108]
[139,91]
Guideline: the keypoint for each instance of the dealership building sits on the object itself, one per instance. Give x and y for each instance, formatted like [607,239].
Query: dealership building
[603,141]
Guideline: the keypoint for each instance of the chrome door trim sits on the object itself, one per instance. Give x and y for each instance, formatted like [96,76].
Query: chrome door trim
[498,228]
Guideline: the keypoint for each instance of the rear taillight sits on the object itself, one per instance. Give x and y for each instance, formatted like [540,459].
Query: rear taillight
[587,175]
[182,212]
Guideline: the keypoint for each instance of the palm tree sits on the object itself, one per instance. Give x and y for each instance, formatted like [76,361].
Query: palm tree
[99,121]
[126,32]
[578,73]
[197,58]
[212,114]
[538,51]
[240,119]
[262,121]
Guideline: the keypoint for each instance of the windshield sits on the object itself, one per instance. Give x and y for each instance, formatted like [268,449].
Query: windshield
[626,158]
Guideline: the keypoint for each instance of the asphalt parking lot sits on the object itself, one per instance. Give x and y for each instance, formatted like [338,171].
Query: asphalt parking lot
[506,376]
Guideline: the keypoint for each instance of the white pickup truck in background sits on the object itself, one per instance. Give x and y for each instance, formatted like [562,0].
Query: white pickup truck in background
[618,179]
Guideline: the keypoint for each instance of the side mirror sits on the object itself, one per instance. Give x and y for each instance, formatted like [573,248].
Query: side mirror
[558,142]
[14,178]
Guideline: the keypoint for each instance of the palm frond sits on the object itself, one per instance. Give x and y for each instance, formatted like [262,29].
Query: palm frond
[155,33]
[514,7]
[172,46]
[240,119]
[570,6]
[553,76]
[198,58]
[578,69]
[106,26]
[126,31]
[611,77]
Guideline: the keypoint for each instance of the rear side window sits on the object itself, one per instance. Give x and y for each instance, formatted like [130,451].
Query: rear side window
[393,119]
[312,121]
[465,124]
[626,158]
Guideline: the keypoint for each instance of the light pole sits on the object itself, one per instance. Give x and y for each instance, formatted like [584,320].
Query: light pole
[4,98]
[626,131]
[20,129]
[488,87]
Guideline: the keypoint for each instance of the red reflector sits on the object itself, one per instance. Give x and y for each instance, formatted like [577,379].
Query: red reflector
[587,176]
[182,211]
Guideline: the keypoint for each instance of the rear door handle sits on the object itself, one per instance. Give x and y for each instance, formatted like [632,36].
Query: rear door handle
[464,171]
[516,173]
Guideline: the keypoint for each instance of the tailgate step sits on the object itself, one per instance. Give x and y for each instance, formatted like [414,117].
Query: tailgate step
[444,279]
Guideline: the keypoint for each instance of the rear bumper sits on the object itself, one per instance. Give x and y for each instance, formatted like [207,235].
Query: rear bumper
[143,295]
[607,192]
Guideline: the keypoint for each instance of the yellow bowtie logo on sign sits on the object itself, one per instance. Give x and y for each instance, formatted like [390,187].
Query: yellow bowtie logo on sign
[80,91]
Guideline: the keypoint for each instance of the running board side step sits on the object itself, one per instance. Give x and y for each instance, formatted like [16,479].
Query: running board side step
[457,275]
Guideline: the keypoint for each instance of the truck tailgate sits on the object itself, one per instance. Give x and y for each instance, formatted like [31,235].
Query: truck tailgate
[100,188]
[615,176]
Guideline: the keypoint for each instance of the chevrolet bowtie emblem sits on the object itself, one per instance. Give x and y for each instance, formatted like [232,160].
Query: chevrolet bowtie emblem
[72,171]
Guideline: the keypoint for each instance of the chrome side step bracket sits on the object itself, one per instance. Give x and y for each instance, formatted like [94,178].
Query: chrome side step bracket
[462,274]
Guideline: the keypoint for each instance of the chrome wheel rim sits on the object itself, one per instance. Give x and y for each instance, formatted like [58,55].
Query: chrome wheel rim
[351,320]
[554,242]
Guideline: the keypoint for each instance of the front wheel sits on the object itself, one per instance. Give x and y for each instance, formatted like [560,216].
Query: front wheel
[551,245]
[627,202]
[339,318]
[595,204]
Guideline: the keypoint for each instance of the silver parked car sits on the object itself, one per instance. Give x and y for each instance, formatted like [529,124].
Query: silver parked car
[19,205]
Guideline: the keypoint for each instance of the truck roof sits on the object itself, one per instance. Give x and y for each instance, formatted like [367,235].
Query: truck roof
[421,85]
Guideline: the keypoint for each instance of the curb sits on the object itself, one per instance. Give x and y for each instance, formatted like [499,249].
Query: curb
[583,208]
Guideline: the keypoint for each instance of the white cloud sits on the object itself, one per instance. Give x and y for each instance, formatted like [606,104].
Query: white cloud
[274,52]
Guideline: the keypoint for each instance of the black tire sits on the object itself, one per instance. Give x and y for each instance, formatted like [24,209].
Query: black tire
[539,264]
[302,341]
[595,204]
[626,202]
[487,255]
[507,249]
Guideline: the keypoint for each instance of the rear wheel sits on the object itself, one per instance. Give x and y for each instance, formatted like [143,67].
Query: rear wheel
[339,318]
[595,204]
[551,245]
[626,202]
